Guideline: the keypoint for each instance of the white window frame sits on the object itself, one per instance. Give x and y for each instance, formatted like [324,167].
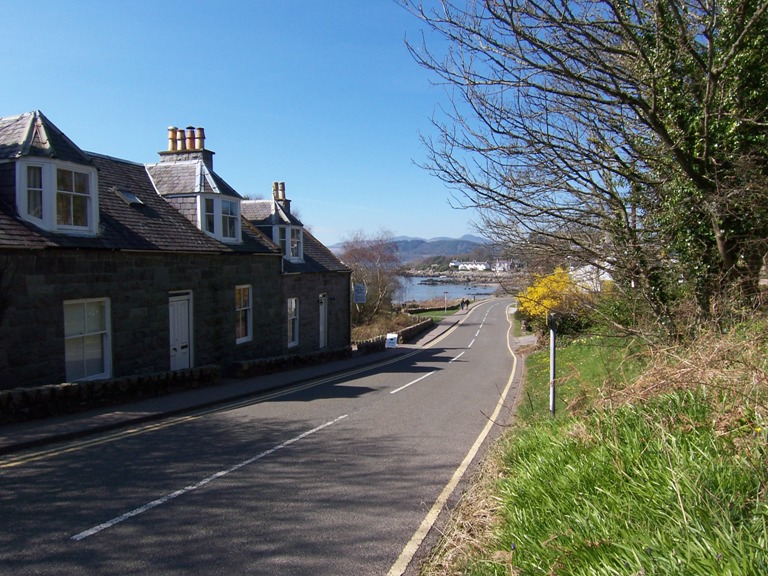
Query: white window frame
[209,215]
[230,220]
[48,219]
[244,311]
[38,190]
[104,333]
[219,217]
[291,242]
[293,322]
[296,244]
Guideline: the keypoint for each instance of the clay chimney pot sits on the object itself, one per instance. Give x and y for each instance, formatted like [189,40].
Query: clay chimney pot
[190,137]
[172,138]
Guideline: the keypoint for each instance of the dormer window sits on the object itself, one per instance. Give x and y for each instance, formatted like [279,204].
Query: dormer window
[35,192]
[290,240]
[220,217]
[230,217]
[58,196]
[72,196]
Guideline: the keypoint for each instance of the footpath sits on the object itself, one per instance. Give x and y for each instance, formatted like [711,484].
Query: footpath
[37,433]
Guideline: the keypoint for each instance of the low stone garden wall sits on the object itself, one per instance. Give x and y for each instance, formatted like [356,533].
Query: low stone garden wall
[433,309]
[404,335]
[19,404]
[261,366]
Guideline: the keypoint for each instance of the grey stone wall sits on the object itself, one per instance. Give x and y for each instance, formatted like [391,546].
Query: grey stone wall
[307,288]
[138,287]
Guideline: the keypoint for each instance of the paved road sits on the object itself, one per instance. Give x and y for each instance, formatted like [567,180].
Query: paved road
[338,475]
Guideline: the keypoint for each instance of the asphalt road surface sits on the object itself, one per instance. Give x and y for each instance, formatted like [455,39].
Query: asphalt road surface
[338,476]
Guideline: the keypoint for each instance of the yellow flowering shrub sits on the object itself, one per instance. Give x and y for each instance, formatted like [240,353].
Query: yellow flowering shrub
[552,293]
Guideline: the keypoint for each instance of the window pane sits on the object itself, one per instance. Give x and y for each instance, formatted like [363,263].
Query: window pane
[229,227]
[64,181]
[73,358]
[295,242]
[81,183]
[243,313]
[94,317]
[241,326]
[80,210]
[74,319]
[94,355]
[228,208]
[34,177]
[209,215]
[293,320]
[63,209]
[35,203]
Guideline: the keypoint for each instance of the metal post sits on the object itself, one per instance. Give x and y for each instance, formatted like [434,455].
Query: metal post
[552,363]
[445,301]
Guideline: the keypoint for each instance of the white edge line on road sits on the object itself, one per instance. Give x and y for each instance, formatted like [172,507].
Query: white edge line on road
[470,344]
[457,357]
[177,493]
[413,382]
[399,567]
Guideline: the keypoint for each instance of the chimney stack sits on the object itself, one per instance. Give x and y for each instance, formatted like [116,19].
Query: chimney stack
[186,144]
[278,193]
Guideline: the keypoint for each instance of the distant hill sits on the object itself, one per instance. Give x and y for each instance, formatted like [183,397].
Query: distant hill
[412,249]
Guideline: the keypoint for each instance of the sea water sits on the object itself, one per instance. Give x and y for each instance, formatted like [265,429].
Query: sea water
[414,290]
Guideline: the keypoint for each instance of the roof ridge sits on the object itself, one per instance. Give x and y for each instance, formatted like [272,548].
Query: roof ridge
[114,158]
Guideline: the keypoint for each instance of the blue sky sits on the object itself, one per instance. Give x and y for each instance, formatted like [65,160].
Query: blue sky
[320,94]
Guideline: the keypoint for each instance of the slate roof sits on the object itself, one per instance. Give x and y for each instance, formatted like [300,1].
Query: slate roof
[32,134]
[317,258]
[188,177]
[152,224]
[267,213]
[17,234]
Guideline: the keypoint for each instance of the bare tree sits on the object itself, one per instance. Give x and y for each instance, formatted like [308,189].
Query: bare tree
[624,134]
[375,265]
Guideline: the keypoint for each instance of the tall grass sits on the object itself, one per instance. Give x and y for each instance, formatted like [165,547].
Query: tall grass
[649,489]
[655,464]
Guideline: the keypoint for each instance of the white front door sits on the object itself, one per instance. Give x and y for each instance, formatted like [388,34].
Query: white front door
[179,313]
[323,302]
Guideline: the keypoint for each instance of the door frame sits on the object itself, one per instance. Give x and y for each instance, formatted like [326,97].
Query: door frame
[322,301]
[181,296]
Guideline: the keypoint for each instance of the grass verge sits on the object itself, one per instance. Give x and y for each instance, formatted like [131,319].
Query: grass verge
[655,464]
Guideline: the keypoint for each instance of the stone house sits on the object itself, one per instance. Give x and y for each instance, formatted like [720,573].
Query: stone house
[111,268]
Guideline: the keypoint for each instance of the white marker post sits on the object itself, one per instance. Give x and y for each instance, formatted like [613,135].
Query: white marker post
[552,363]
